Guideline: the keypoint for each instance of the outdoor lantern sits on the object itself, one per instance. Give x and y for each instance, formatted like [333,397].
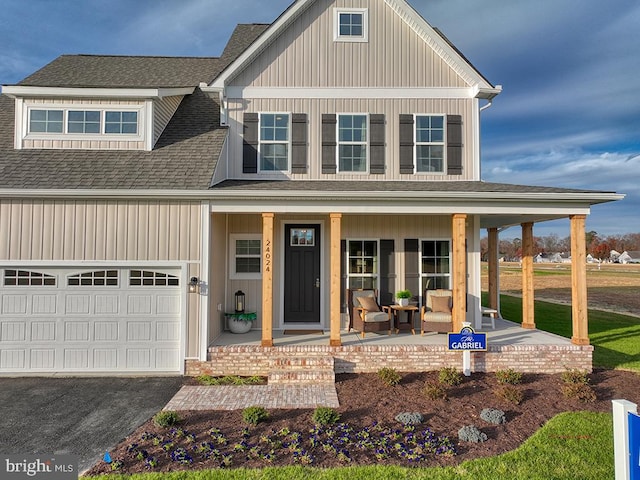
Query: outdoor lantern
[193,285]
[239,301]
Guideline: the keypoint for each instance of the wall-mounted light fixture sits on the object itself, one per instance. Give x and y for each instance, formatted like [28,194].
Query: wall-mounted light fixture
[239,301]
[194,285]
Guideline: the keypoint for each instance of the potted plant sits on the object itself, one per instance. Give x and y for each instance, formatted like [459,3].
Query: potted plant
[403,297]
[240,322]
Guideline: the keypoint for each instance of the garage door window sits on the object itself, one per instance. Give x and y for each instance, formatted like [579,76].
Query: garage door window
[25,278]
[145,278]
[100,278]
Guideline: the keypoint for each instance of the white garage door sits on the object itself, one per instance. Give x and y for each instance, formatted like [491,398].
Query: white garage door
[109,320]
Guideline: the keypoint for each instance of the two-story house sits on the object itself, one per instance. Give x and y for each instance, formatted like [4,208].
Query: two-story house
[336,148]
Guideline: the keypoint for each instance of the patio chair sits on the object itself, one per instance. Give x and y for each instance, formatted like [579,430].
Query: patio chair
[435,315]
[365,313]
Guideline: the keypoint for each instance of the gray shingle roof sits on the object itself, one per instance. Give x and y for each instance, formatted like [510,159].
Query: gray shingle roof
[185,156]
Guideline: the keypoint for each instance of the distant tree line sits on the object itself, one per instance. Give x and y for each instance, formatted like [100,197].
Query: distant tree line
[599,247]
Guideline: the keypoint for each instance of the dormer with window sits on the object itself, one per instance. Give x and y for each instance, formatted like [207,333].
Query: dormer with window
[92,118]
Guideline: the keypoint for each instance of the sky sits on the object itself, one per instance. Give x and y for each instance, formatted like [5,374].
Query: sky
[568,116]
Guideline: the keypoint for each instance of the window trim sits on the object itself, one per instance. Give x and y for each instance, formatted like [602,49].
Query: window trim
[367,144]
[65,135]
[233,273]
[288,143]
[91,277]
[46,279]
[337,37]
[375,275]
[425,274]
[416,144]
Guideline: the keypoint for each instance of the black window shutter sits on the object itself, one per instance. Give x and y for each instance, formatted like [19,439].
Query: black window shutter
[387,272]
[406,144]
[454,145]
[328,143]
[411,264]
[343,276]
[250,143]
[376,143]
[299,143]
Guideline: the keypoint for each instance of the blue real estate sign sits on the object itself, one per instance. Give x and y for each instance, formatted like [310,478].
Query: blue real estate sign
[469,340]
[634,446]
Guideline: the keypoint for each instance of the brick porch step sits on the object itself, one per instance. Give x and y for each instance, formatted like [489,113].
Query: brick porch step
[302,370]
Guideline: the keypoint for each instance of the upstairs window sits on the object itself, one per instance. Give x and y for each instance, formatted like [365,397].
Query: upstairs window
[352,143]
[351,25]
[121,122]
[430,143]
[83,122]
[46,121]
[274,142]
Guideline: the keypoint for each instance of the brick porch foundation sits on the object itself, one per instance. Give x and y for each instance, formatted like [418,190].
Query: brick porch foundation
[247,360]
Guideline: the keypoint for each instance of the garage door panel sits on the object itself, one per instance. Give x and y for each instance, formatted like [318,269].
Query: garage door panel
[13,332]
[105,323]
[139,305]
[43,331]
[14,304]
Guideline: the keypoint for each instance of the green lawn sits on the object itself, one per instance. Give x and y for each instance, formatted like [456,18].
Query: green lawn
[571,445]
[616,337]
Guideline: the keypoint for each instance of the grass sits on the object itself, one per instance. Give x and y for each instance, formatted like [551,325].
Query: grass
[614,336]
[570,445]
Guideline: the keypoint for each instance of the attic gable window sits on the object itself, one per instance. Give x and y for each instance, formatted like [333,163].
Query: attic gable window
[81,123]
[351,25]
[46,121]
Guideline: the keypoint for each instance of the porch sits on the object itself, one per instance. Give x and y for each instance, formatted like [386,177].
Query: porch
[509,346]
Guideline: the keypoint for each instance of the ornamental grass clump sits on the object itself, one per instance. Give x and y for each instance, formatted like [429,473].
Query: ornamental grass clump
[450,376]
[166,418]
[325,416]
[389,376]
[254,415]
[435,391]
[509,377]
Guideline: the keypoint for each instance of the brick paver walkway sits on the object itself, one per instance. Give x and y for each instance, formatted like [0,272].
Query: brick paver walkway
[225,397]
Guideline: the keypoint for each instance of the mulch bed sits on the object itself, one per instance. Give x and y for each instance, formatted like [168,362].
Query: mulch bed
[364,400]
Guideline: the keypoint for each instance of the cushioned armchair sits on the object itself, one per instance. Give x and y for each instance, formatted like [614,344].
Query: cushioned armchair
[365,314]
[435,315]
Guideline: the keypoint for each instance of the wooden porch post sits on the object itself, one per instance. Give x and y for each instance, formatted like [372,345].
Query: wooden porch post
[494,271]
[267,279]
[579,313]
[528,317]
[459,270]
[334,303]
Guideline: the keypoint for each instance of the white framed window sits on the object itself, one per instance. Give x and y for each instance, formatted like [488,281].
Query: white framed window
[147,278]
[430,143]
[435,264]
[353,143]
[27,278]
[275,142]
[362,263]
[99,278]
[351,24]
[80,124]
[245,257]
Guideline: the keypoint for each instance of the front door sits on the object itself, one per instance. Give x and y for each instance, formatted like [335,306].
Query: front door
[302,274]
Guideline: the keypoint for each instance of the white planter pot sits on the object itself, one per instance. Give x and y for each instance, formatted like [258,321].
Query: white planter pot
[403,302]
[239,326]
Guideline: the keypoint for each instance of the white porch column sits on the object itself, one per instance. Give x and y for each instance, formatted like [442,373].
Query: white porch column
[267,279]
[579,311]
[334,303]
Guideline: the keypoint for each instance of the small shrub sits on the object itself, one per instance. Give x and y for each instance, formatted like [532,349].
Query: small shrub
[574,376]
[450,376]
[166,418]
[493,415]
[228,380]
[435,391]
[579,391]
[407,418]
[509,377]
[254,415]
[389,376]
[471,434]
[325,416]
[510,394]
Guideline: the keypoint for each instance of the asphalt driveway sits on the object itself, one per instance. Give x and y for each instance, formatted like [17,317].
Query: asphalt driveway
[77,416]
